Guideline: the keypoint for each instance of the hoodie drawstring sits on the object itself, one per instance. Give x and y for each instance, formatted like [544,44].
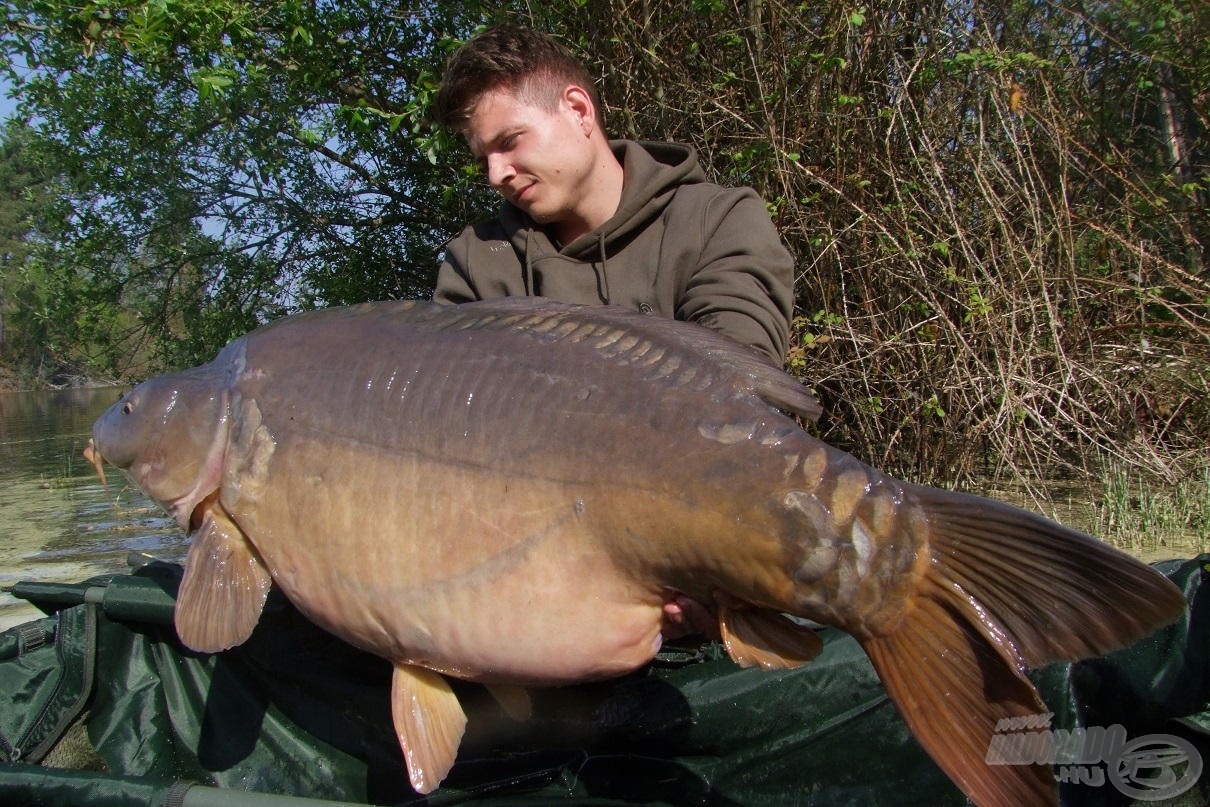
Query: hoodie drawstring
[527,270]
[604,268]
[535,251]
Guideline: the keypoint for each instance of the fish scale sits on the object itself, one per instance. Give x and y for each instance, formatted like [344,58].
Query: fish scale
[522,492]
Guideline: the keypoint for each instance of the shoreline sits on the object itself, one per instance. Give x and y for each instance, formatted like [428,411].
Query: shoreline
[12,382]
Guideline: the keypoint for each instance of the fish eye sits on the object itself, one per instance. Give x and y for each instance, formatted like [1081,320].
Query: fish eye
[127,408]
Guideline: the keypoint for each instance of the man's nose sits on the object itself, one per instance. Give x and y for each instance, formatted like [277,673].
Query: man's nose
[499,170]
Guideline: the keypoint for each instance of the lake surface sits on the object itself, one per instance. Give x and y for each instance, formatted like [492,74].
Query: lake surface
[57,522]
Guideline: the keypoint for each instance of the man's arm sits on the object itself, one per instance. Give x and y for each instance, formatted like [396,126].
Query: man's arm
[744,283]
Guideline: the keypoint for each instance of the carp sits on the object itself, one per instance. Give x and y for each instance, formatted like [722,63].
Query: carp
[519,492]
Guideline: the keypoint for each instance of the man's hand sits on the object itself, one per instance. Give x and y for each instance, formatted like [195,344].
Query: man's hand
[684,616]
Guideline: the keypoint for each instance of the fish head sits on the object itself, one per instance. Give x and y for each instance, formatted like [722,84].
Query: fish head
[169,435]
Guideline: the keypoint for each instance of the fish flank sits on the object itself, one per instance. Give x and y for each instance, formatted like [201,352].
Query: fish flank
[582,332]
[636,350]
[564,329]
[863,546]
[511,321]
[539,324]
[610,338]
[814,465]
[665,369]
[649,357]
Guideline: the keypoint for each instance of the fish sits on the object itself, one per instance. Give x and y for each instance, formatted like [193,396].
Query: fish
[523,493]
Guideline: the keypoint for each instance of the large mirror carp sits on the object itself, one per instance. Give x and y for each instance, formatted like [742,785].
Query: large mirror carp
[523,493]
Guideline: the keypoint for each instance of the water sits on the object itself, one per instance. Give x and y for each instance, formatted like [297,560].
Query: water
[57,522]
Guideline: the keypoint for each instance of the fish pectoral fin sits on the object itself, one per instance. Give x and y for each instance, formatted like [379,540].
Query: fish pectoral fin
[429,723]
[514,700]
[755,637]
[224,588]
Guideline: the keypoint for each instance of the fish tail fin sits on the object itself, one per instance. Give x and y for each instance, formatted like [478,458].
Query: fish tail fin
[1005,590]
[952,687]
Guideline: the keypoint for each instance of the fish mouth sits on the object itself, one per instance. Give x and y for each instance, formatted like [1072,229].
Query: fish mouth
[93,455]
[188,511]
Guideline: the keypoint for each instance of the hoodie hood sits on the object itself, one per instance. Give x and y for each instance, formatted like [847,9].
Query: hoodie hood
[652,172]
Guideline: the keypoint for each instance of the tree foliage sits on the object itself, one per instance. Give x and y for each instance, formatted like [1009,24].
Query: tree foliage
[998,209]
[225,162]
[22,194]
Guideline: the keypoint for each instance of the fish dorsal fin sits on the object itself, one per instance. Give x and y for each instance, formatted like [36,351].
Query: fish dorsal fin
[429,723]
[514,700]
[758,638]
[224,588]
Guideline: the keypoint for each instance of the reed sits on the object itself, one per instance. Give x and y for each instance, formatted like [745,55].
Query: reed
[1135,514]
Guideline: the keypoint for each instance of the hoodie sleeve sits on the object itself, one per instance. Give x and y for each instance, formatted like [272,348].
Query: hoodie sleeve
[480,264]
[743,284]
[454,283]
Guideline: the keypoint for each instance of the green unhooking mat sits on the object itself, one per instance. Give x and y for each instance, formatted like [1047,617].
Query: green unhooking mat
[118,712]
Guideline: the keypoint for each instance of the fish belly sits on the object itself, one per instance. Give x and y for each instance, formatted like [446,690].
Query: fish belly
[458,569]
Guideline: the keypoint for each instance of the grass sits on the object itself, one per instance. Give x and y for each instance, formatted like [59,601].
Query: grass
[1143,517]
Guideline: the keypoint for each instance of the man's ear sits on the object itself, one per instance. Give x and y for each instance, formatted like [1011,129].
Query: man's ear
[578,102]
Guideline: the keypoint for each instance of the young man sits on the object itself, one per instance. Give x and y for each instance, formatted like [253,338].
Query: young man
[590,220]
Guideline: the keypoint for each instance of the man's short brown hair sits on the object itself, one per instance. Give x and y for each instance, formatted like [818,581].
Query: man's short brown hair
[529,63]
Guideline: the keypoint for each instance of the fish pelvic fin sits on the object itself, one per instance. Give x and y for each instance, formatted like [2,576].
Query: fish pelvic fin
[224,588]
[1005,590]
[759,638]
[429,723]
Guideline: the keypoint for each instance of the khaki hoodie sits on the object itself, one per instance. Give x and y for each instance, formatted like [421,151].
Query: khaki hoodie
[678,246]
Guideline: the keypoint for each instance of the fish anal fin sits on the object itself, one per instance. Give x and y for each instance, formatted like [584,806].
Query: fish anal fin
[429,723]
[954,704]
[755,637]
[224,587]
[514,700]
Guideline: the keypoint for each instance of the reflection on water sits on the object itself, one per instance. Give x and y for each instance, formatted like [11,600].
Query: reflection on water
[56,521]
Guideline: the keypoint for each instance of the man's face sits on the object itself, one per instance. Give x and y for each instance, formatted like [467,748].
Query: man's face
[538,159]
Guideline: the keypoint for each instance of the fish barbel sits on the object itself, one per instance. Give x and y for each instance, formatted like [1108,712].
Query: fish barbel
[513,492]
